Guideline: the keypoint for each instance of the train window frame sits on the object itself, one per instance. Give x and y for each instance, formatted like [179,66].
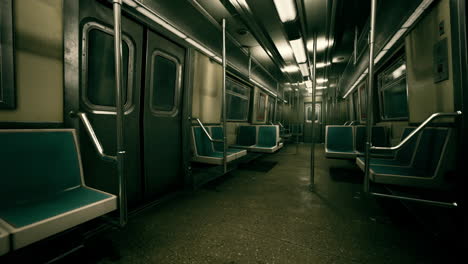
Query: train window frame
[102,109]
[7,62]
[318,112]
[391,67]
[175,107]
[233,93]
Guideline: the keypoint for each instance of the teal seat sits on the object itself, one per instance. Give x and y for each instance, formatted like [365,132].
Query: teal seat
[204,150]
[339,142]
[42,189]
[428,164]
[402,157]
[267,139]
[217,133]
[246,136]
[379,138]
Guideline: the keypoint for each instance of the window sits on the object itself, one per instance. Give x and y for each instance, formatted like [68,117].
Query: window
[355,106]
[165,84]
[261,107]
[99,68]
[392,91]
[308,112]
[363,100]
[237,101]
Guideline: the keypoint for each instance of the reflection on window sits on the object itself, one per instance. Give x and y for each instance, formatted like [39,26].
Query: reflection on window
[392,91]
[271,109]
[237,101]
[164,83]
[363,99]
[308,111]
[100,89]
[261,98]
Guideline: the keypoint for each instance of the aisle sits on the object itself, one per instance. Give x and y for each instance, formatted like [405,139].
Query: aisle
[272,217]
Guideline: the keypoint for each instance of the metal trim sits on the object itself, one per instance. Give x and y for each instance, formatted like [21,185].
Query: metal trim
[99,109]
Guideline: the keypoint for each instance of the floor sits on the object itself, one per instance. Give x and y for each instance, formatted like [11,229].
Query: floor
[272,217]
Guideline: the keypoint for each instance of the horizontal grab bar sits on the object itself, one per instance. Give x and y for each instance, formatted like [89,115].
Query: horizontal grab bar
[405,198]
[89,129]
[418,129]
[206,132]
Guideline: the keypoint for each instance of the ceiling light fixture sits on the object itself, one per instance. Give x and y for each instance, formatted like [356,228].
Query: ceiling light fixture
[322,44]
[290,68]
[304,69]
[321,80]
[298,48]
[286,10]
[320,65]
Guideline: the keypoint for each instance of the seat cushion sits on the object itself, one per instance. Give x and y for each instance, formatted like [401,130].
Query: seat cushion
[246,135]
[397,171]
[339,139]
[267,136]
[35,220]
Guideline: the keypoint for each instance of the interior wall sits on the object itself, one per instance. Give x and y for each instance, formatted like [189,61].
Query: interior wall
[38,40]
[425,96]
[207,86]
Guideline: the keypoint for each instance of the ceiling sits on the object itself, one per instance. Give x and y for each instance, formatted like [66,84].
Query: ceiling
[256,26]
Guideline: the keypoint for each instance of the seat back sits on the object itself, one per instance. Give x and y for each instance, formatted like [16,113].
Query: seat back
[246,135]
[379,137]
[203,145]
[217,132]
[267,136]
[430,149]
[339,138]
[405,153]
[37,163]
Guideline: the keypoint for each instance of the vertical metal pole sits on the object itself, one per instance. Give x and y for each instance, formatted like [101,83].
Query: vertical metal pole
[312,132]
[276,102]
[224,98]
[117,6]
[297,121]
[369,96]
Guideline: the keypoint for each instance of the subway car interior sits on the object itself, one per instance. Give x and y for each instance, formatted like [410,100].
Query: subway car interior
[233,131]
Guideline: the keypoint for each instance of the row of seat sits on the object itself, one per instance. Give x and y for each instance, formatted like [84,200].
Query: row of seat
[254,138]
[42,189]
[348,142]
[421,162]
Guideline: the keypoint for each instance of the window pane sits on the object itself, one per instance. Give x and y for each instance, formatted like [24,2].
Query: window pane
[100,88]
[237,108]
[392,91]
[363,100]
[394,100]
[261,107]
[164,84]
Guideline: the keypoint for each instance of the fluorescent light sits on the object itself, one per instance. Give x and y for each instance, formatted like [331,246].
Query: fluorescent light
[304,69]
[321,80]
[286,10]
[322,44]
[218,59]
[308,84]
[297,46]
[395,38]
[380,56]
[319,65]
[290,68]
[130,3]
[399,71]
[200,47]
[321,88]
[161,22]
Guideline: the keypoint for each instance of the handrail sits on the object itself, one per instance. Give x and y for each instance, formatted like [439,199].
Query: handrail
[417,130]
[206,132]
[280,124]
[90,131]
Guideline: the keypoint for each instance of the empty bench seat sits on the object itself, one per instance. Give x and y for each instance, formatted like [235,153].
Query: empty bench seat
[428,166]
[42,188]
[4,242]
[246,137]
[204,150]
[339,142]
[268,140]
[402,156]
[217,132]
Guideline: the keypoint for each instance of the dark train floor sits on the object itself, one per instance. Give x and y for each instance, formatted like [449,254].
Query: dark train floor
[257,215]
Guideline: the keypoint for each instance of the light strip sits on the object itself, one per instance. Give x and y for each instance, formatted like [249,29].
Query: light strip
[200,47]
[322,65]
[159,21]
[286,10]
[321,80]
[290,68]
[297,46]
[304,70]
